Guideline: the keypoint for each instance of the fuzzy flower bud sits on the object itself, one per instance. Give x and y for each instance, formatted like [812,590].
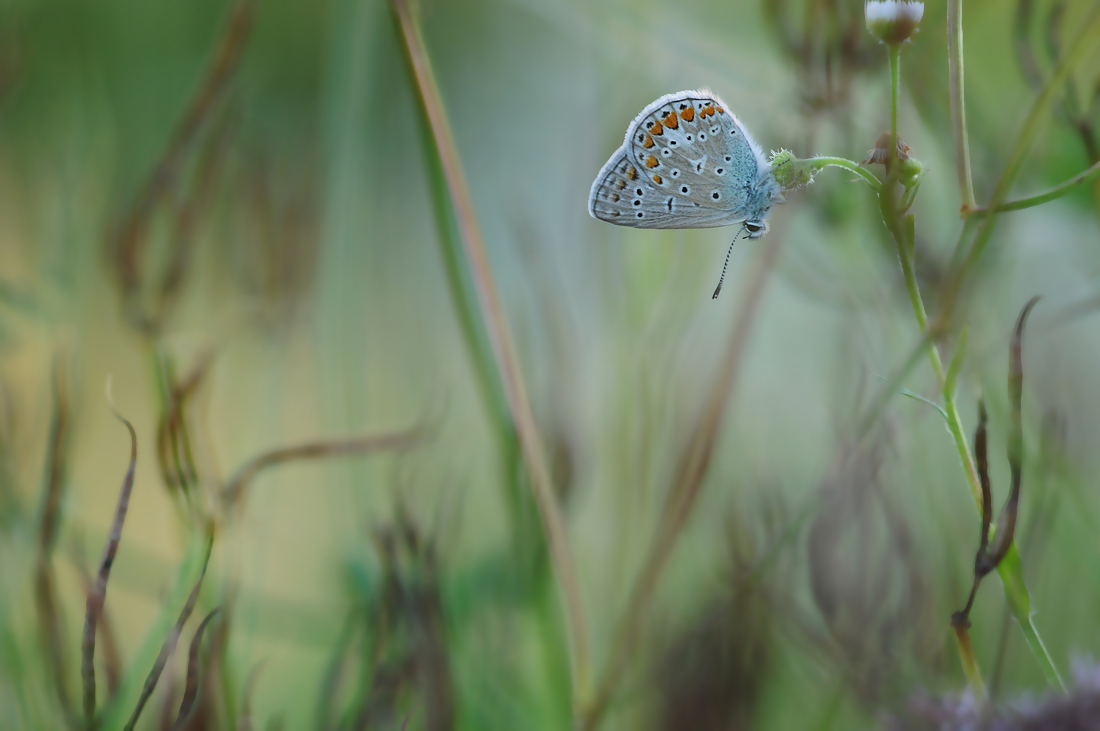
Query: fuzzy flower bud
[790,172]
[893,21]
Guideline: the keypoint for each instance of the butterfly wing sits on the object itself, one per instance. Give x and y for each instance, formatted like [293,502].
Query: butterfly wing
[625,196]
[686,162]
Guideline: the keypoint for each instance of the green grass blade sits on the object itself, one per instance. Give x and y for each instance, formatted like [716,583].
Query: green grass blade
[133,680]
[1011,571]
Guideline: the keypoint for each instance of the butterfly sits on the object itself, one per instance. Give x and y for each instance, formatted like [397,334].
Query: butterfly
[687,162]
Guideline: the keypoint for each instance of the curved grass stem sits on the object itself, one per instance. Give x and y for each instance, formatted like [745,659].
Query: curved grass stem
[500,339]
[1046,196]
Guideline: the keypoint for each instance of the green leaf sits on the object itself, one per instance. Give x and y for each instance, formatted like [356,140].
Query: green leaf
[1011,571]
[917,397]
[134,678]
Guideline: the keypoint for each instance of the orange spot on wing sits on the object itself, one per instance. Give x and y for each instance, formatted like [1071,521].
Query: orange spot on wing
[620,184]
[670,120]
[657,129]
[657,179]
[719,110]
[652,162]
[615,197]
[648,142]
[688,114]
[632,173]
[708,110]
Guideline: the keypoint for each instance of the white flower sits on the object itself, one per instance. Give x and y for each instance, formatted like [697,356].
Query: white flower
[893,21]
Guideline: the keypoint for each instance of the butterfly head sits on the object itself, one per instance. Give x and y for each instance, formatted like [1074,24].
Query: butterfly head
[756,228]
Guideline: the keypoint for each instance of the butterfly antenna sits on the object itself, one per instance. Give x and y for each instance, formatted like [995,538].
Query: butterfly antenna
[722,278]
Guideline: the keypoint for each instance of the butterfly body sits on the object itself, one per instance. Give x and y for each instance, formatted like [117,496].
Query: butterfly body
[686,162]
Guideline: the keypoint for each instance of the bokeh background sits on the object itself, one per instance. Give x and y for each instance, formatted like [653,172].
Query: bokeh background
[294,257]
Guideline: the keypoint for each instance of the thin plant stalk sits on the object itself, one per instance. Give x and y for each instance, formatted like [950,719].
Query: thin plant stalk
[1046,196]
[903,233]
[958,106]
[1009,569]
[465,307]
[500,338]
[1081,45]
[821,162]
[1015,591]
[970,665]
[688,480]
[98,594]
[895,90]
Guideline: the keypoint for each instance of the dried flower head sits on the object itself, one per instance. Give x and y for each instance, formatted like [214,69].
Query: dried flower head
[893,21]
[881,153]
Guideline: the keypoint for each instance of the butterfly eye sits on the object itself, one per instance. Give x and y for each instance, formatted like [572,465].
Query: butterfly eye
[752,228]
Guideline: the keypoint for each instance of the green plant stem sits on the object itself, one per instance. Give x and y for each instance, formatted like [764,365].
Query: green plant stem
[903,237]
[958,107]
[1045,197]
[819,163]
[1009,570]
[903,232]
[895,90]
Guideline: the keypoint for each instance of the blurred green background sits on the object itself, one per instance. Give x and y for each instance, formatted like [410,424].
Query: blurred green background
[813,584]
